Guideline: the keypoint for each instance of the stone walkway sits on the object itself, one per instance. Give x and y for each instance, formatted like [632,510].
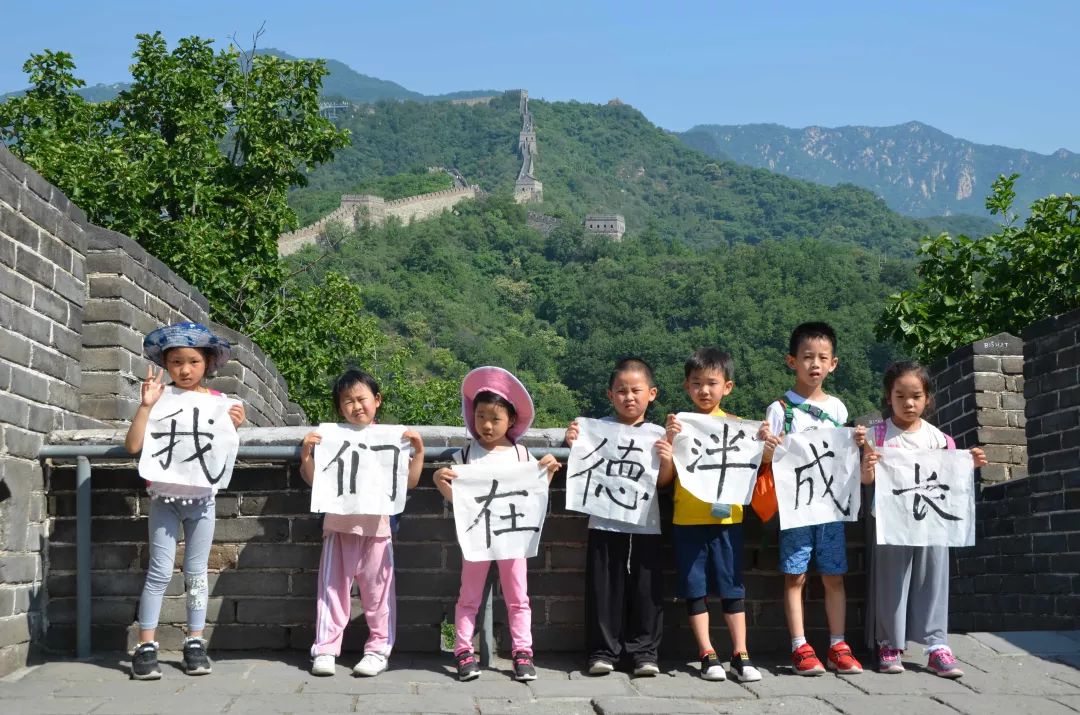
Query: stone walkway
[1007,673]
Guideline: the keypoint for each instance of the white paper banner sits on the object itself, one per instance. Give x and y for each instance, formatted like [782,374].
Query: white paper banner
[360,470]
[925,497]
[817,477]
[190,439]
[612,470]
[499,509]
[717,458]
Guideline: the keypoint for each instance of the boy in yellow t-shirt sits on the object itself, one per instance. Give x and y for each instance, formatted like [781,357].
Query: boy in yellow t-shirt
[708,538]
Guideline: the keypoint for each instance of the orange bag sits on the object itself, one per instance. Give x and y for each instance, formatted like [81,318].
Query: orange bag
[764,499]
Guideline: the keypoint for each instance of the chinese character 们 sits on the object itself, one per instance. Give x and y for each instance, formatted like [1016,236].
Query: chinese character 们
[354,465]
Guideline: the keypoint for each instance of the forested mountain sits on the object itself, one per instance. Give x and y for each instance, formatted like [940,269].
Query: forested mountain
[605,158]
[716,254]
[917,169]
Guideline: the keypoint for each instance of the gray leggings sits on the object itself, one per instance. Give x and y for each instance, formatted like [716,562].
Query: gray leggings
[166,519]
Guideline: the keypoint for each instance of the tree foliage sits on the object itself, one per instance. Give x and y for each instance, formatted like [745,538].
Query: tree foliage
[973,288]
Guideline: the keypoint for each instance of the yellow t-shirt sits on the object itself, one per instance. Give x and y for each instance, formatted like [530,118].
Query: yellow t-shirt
[691,511]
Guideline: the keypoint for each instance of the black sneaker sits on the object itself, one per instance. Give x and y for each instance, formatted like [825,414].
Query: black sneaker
[523,666]
[711,667]
[742,669]
[144,665]
[467,667]
[196,661]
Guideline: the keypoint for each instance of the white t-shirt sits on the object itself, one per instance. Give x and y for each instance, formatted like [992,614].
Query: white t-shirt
[652,519]
[479,455]
[927,436]
[802,421]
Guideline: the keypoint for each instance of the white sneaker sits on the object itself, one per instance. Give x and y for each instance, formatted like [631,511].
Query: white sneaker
[600,667]
[646,670]
[323,665]
[371,664]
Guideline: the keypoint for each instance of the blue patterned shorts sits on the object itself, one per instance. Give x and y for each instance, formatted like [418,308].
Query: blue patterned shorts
[825,542]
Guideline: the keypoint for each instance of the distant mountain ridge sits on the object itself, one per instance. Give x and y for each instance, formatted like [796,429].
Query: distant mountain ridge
[918,170]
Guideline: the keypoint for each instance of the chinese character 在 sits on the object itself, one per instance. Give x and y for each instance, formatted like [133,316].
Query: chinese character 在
[200,449]
[513,515]
[618,479]
[925,493]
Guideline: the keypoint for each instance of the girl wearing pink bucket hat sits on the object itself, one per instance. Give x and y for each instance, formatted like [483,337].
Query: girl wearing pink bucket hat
[497,411]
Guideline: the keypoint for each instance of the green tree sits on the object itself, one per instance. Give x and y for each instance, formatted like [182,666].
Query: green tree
[970,289]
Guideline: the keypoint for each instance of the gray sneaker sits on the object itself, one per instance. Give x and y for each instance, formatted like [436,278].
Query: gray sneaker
[144,665]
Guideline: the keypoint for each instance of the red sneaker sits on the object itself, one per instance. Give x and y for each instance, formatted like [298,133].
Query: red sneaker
[805,662]
[842,661]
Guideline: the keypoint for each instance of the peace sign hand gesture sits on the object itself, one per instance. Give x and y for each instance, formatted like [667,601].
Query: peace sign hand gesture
[152,386]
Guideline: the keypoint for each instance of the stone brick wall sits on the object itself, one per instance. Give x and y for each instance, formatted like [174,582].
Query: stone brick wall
[42,294]
[979,391]
[75,301]
[265,559]
[1024,570]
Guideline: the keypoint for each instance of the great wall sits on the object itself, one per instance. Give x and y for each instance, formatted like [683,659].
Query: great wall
[75,300]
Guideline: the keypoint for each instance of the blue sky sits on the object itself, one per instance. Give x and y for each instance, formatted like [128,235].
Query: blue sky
[992,71]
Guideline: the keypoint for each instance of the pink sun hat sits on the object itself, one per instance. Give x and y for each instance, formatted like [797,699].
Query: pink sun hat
[506,386]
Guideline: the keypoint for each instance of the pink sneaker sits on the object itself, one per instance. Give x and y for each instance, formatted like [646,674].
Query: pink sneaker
[888,660]
[943,663]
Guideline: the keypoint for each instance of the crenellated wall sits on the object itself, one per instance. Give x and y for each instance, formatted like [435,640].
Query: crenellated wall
[75,302]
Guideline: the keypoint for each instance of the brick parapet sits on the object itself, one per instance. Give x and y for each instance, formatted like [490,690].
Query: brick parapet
[979,395]
[265,556]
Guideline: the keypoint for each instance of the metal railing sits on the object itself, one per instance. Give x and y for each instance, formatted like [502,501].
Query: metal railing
[83,453]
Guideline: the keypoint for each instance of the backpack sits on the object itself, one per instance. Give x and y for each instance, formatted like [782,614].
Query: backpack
[763,500]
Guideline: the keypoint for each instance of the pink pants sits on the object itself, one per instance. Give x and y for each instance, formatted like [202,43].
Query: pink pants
[370,561]
[515,588]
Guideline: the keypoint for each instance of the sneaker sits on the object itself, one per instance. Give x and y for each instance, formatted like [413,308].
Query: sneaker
[711,668]
[144,665]
[646,669]
[196,662]
[804,661]
[323,665]
[742,669]
[523,666]
[888,660]
[600,667]
[842,661]
[467,667]
[943,663]
[370,665]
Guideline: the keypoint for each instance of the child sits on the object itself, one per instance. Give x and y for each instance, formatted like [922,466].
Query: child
[497,410]
[188,352]
[356,546]
[623,562]
[708,538]
[812,355]
[909,585]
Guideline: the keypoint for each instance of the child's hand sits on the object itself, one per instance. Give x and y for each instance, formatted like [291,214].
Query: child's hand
[237,414]
[307,447]
[674,427]
[869,459]
[771,440]
[572,433]
[663,450]
[979,456]
[551,464]
[444,476]
[415,440]
[152,386]
[860,435]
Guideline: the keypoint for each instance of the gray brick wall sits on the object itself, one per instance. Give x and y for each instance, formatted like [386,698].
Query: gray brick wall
[75,302]
[979,393]
[265,557]
[42,295]
[1024,570]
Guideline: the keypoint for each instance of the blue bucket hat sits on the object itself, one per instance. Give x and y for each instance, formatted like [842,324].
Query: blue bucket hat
[187,335]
